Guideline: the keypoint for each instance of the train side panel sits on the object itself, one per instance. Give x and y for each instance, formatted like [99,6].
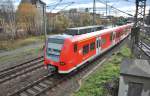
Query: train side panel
[105,40]
[67,57]
[86,50]
[77,55]
[83,51]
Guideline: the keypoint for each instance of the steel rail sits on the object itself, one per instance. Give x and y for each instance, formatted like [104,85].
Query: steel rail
[24,68]
[11,71]
[18,65]
[7,78]
[141,45]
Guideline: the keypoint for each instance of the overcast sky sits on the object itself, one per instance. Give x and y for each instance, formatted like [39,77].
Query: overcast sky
[124,5]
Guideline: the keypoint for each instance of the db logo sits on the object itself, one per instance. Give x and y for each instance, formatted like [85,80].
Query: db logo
[80,51]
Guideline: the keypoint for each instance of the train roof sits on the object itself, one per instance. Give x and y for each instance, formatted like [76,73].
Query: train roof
[60,36]
[83,30]
[96,33]
[81,37]
[85,27]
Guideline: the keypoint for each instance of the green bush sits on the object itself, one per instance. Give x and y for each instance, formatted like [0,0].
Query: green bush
[93,85]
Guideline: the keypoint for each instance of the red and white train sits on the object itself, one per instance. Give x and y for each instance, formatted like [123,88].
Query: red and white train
[64,53]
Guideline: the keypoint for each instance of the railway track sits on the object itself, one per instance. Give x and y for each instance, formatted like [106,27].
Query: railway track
[42,85]
[145,48]
[20,69]
[37,88]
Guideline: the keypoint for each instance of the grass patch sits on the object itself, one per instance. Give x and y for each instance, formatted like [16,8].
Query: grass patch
[10,45]
[92,85]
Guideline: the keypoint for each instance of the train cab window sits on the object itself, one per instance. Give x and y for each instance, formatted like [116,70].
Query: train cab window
[85,49]
[75,47]
[92,46]
[55,40]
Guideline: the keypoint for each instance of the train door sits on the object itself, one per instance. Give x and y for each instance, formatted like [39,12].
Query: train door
[113,37]
[98,45]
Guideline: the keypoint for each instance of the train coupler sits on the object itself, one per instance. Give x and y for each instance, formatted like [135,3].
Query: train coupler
[51,69]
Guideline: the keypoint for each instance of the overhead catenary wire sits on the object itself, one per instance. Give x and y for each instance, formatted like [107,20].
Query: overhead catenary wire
[129,1]
[55,5]
[63,7]
[115,8]
[62,3]
[69,4]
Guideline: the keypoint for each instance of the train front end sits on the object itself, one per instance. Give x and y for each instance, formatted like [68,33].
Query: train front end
[53,52]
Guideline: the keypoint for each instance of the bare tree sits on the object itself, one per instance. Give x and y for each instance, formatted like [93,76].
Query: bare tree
[7,13]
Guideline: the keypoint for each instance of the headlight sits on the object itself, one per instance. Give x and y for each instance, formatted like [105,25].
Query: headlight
[62,63]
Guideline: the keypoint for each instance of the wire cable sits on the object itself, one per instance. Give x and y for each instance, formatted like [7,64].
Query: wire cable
[116,8]
[56,5]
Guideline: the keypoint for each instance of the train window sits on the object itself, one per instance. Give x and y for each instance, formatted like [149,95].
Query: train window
[97,42]
[111,36]
[103,41]
[85,49]
[75,47]
[82,31]
[122,33]
[127,30]
[92,46]
[99,28]
[89,30]
[71,32]
[92,29]
[117,34]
